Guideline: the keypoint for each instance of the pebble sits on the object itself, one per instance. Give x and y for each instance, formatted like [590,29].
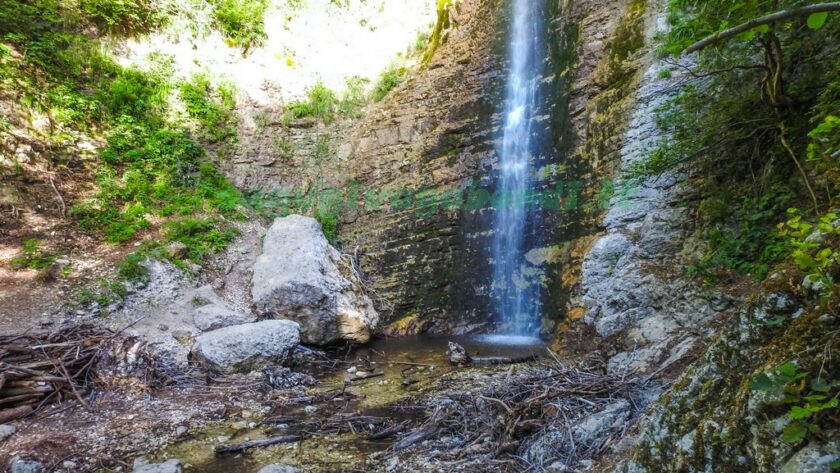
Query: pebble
[6,431]
[310,409]
[68,464]
[180,430]
[352,369]
[25,466]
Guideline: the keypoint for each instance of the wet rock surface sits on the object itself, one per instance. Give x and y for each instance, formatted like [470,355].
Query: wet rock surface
[301,277]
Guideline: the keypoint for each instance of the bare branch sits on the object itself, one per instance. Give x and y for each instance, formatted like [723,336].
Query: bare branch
[764,20]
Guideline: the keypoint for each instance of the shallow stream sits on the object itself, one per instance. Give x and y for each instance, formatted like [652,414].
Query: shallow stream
[412,367]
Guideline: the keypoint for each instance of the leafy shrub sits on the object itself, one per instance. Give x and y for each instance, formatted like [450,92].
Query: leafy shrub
[202,237]
[388,80]
[127,17]
[810,401]
[814,256]
[212,108]
[354,98]
[743,236]
[242,22]
[320,103]
[33,257]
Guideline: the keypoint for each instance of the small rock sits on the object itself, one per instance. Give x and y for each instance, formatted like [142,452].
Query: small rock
[6,431]
[169,466]
[352,370]
[275,468]
[176,250]
[25,466]
[68,464]
[61,262]
[310,409]
[184,337]
[181,430]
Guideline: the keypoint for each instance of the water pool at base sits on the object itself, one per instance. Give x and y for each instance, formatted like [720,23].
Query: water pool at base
[411,366]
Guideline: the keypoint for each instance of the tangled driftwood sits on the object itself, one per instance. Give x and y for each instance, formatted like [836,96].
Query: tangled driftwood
[37,370]
[498,422]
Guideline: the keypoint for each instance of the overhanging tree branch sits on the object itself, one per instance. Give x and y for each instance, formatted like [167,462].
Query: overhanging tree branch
[764,20]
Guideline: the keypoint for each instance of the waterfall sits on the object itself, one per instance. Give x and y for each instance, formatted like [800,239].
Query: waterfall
[516,303]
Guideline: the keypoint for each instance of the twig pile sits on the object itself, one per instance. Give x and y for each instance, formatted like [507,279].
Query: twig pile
[500,423]
[38,370]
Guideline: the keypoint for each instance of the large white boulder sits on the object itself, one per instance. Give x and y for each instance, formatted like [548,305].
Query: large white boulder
[299,276]
[247,347]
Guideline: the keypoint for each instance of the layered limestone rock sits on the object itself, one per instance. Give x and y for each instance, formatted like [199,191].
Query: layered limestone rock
[429,153]
[299,276]
[633,285]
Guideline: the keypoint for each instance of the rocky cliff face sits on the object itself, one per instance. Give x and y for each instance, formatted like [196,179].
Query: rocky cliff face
[423,162]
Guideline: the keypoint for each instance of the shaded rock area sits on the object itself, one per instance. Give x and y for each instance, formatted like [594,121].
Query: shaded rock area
[211,312]
[301,277]
[725,403]
[248,346]
[633,282]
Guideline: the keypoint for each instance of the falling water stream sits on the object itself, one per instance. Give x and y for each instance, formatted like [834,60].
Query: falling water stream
[517,303]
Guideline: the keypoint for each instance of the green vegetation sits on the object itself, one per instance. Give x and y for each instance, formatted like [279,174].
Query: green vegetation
[33,257]
[438,33]
[242,22]
[152,175]
[760,133]
[388,80]
[212,107]
[126,17]
[321,103]
[816,257]
[355,97]
[810,402]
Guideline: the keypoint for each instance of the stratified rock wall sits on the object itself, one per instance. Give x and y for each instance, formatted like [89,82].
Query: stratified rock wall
[428,152]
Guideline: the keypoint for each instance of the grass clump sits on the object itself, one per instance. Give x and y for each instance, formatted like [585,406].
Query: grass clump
[388,80]
[320,103]
[33,257]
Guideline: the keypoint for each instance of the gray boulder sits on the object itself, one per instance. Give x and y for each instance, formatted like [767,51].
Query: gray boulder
[169,466]
[211,312]
[301,277]
[248,346]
